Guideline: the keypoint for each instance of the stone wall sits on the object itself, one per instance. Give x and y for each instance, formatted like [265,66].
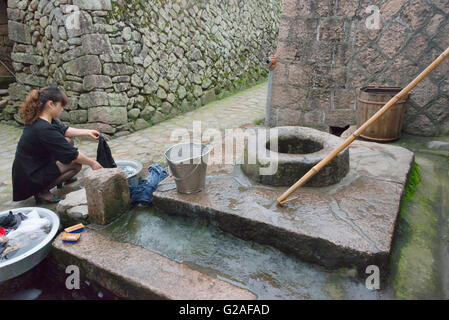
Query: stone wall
[135,63]
[326,51]
[5,44]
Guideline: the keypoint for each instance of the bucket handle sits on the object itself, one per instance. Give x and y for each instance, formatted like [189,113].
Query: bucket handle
[186,176]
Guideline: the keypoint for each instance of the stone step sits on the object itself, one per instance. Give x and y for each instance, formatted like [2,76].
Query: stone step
[133,272]
[349,224]
[3,92]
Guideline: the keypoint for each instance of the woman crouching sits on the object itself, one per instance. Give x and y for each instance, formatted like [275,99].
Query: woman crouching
[44,157]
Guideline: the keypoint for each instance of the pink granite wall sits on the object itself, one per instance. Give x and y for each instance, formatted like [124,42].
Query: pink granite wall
[326,51]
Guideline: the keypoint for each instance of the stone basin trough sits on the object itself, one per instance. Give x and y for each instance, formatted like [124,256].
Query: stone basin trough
[349,222]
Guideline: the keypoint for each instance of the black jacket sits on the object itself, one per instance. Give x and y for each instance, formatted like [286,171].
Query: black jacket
[34,167]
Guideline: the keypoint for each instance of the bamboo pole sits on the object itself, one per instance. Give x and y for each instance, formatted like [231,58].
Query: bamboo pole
[283,198]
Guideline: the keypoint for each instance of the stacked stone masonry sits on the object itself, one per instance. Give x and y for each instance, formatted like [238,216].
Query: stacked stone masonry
[5,44]
[129,64]
[329,48]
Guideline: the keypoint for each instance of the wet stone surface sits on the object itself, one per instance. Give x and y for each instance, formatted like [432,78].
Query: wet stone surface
[136,273]
[349,224]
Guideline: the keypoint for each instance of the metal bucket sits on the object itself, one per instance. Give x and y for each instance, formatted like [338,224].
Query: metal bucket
[188,163]
[16,266]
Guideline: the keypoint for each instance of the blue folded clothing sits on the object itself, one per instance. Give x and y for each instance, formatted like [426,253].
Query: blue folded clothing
[143,193]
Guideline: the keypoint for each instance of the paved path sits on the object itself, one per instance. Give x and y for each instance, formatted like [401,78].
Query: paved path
[146,145]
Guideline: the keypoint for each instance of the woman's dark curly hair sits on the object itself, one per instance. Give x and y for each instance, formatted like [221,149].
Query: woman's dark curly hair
[37,99]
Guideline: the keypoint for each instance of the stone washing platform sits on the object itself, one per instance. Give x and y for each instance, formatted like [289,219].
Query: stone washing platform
[349,224]
[132,272]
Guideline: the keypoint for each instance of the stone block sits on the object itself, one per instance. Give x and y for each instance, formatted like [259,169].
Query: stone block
[393,38]
[17,91]
[332,29]
[438,145]
[118,99]
[27,58]
[97,82]
[289,8]
[108,115]
[101,127]
[73,209]
[72,54]
[93,99]
[288,51]
[100,5]
[305,28]
[31,79]
[285,96]
[208,97]
[141,124]
[344,99]
[329,77]
[133,114]
[107,193]
[117,69]
[390,8]
[439,109]
[285,116]
[347,8]
[83,66]
[85,26]
[300,75]
[416,14]
[19,32]
[340,118]
[78,116]
[421,124]
[96,44]
[147,113]
[319,99]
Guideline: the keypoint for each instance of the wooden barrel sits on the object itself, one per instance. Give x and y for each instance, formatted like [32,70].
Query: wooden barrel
[370,100]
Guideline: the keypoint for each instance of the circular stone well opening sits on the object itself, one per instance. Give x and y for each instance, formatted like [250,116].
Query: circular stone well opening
[296,145]
[299,149]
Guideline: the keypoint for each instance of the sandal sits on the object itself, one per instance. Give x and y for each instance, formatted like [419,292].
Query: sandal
[54,199]
[70,181]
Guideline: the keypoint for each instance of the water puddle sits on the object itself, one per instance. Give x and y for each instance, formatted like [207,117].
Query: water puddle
[128,170]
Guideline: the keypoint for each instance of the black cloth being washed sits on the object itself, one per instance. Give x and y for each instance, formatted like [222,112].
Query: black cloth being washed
[104,155]
[40,146]
[12,221]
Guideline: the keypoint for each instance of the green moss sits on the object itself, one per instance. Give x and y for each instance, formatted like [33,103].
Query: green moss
[335,290]
[413,180]
[259,122]
[414,274]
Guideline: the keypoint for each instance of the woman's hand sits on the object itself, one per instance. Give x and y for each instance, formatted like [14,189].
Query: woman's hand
[94,134]
[95,165]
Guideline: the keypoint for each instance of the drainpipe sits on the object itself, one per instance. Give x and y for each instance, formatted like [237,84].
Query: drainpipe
[271,65]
